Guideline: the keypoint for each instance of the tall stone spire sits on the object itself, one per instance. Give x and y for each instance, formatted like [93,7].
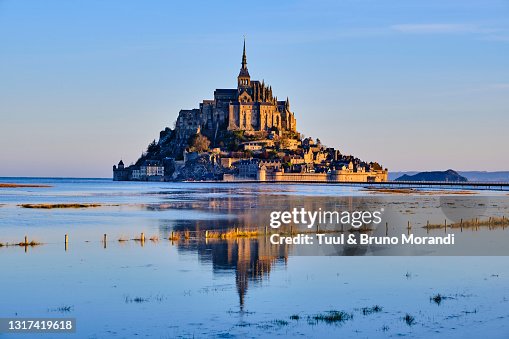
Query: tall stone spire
[244,80]
[244,59]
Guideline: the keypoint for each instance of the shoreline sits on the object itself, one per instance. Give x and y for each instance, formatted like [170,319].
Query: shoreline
[391,187]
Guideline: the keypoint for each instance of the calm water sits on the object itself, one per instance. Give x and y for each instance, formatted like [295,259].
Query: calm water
[244,287]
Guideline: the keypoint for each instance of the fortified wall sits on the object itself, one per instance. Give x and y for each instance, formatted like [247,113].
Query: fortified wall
[334,176]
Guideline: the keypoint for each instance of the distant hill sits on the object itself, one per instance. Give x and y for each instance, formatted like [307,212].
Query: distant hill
[498,176]
[486,176]
[449,175]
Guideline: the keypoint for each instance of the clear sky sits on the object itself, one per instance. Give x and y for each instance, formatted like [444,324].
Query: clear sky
[415,85]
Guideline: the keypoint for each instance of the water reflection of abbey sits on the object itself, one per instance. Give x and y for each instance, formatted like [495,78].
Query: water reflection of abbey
[251,260]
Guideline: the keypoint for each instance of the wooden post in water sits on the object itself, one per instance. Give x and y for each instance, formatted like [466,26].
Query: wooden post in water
[427,226]
[445,224]
[26,240]
[386,229]
[66,241]
[461,225]
[265,230]
[206,234]
[105,239]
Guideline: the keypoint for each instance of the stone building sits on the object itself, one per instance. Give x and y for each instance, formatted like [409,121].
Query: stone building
[345,174]
[250,107]
[249,168]
[149,170]
[120,173]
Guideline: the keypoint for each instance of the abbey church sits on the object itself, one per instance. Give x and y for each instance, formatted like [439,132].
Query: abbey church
[250,107]
[244,133]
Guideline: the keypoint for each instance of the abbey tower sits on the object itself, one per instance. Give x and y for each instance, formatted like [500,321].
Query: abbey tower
[249,107]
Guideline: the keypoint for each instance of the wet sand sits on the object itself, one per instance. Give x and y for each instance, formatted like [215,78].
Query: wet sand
[414,191]
[10,185]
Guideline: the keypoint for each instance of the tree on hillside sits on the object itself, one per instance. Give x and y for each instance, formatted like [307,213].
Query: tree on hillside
[153,147]
[199,143]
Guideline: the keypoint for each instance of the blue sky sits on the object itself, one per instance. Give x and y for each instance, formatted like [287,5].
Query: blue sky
[415,85]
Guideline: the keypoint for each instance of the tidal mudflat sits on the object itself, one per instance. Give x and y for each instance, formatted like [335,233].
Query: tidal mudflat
[244,286]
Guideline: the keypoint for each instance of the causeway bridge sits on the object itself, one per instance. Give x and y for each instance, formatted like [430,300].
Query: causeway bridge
[469,185]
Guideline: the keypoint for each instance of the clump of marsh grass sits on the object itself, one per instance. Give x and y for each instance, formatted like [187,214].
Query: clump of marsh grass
[61,309]
[140,237]
[187,234]
[137,300]
[64,309]
[332,317]
[243,324]
[50,206]
[280,322]
[295,317]
[154,238]
[174,236]
[213,235]
[232,234]
[30,243]
[370,310]
[9,185]
[438,298]
[474,223]
[409,319]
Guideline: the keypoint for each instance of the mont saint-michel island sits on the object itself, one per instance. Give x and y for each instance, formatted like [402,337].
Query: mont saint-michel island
[244,133]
